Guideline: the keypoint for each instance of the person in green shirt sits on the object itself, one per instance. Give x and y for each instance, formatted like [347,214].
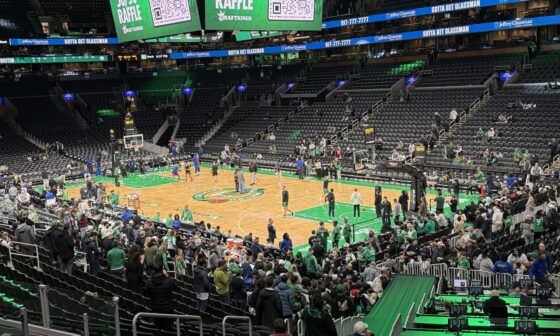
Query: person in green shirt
[479,175]
[538,224]
[480,134]
[457,160]
[335,234]
[347,231]
[400,235]
[430,226]
[419,226]
[186,215]
[323,234]
[368,254]
[311,263]
[161,256]
[221,281]
[33,214]
[169,221]
[412,233]
[527,156]
[517,155]
[157,217]
[116,259]
[114,197]
[463,262]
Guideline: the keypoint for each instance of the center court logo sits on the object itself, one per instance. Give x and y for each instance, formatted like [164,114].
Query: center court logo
[227,195]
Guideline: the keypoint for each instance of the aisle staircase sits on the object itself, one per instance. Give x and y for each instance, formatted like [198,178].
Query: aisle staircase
[404,292]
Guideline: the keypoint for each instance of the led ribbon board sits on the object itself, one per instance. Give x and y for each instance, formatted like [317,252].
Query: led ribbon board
[63,41]
[53,59]
[263,14]
[413,12]
[413,35]
[246,35]
[143,19]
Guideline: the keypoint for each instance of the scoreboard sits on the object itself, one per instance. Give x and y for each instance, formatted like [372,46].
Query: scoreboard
[263,14]
[143,19]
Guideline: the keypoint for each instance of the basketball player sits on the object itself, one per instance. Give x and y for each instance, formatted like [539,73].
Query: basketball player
[285,200]
[331,200]
[188,171]
[215,168]
[175,172]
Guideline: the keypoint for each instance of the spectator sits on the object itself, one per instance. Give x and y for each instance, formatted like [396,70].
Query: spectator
[65,249]
[159,290]
[269,305]
[485,263]
[221,281]
[285,244]
[201,285]
[287,297]
[527,230]
[135,269]
[539,268]
[116,259]
[25,233]
[361,329]
[238,289]
[317,320]
[92,253]
[280,328]
[502,266]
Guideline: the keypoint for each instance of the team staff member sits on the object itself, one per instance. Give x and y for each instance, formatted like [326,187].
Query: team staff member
[356,202]
[331,200]
[253,172]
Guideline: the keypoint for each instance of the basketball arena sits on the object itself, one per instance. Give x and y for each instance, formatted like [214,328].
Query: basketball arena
[279,167]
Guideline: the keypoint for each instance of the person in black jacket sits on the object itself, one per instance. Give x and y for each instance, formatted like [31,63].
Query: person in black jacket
[50,239]
[201,285]
[377,201]
[495,307]
[317,320]
[160,290]
[64,244]
[269,305]
[134,269]
[92,253]
[238,290]
[403,201]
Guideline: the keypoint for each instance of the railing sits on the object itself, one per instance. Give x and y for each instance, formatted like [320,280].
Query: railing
[410,316]
[397,326]
[23,255]
[300,328]
[230,317]
[28,329]
[345,326]
[555,279]
[177,318]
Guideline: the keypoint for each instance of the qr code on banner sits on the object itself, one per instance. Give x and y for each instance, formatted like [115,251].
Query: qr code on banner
[291,10]
[165,12]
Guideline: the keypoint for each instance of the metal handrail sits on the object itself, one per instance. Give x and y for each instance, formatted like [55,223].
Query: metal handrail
[36,256]
[239,318]
[177,317]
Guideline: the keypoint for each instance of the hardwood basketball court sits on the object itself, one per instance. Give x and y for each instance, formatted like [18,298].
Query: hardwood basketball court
[218,203]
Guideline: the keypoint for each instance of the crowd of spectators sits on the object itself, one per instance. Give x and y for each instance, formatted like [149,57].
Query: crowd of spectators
[274,281]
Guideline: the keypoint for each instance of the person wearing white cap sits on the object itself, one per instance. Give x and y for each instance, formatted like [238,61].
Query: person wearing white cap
[361,329]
